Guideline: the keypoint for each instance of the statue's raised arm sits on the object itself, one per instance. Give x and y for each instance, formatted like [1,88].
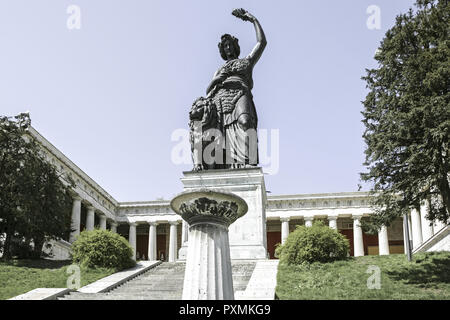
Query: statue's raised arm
[260,36]
[228,107]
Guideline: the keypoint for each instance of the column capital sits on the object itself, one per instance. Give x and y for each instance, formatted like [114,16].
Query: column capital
[153,223]
[113,223]
[174,223]
[332,217]
[90,208]
[285,219]
[357,216]
[309,218]
[132,224]
[76,197]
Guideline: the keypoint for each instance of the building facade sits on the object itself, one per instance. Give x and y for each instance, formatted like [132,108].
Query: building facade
[156,232]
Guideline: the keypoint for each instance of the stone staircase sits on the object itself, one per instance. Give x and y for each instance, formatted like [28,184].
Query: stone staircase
[163,282]
[242,272]
[262,283]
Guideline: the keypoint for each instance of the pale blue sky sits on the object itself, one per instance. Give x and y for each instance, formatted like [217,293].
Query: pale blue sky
[110,95]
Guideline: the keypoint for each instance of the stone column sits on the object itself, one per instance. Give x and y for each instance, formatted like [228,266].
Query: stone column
[211,248]
[383,241]
[114,227]
[103,222]
[358,244]
[416,228]
[309,221]
[208,274]
[76,217]
[90,218]
[427,225]
[332,222]
[173,241]
[152,241]
[132,238]
[284,229]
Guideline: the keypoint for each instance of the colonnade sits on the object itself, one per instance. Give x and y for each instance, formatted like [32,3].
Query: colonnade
[90,219]
[421,230]
[152,240]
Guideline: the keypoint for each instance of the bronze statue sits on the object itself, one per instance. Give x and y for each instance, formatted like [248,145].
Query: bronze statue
[235,123]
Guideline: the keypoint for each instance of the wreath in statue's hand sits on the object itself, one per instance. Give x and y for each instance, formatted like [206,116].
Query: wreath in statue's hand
[243,14]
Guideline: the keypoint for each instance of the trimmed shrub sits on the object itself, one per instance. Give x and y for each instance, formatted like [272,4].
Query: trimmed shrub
[102,248]
[318,243]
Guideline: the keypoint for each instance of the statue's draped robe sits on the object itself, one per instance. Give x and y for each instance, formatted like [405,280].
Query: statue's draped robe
[233,99]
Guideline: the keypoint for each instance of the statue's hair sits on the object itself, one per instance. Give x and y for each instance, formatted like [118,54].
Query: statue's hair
[234,41]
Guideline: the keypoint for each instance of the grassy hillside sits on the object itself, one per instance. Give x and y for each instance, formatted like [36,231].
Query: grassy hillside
[20,276]
[426,277]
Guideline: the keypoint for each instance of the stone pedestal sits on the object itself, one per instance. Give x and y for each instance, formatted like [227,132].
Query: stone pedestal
[208,265]
[247,236]
[208,274]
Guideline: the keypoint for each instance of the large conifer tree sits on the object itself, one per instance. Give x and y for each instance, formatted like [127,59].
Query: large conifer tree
[407,115]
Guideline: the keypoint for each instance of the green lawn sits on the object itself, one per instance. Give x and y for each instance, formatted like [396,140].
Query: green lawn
[20,276]
[426,277]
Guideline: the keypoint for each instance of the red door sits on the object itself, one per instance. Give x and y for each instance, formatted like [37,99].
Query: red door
[142,246]
[369,240]
[273,238]
[348,233]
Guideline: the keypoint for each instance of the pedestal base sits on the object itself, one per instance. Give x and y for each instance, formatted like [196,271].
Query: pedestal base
[247,236]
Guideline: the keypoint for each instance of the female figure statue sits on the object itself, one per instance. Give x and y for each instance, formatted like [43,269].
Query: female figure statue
[230,90]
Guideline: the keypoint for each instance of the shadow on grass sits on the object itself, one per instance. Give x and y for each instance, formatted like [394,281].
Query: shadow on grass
[37,264]
[424,270]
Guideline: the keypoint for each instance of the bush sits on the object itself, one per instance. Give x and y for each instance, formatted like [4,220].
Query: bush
[318,243]
[102,248]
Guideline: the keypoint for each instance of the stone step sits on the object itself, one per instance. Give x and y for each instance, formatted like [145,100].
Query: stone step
[127,297]
[163,282]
